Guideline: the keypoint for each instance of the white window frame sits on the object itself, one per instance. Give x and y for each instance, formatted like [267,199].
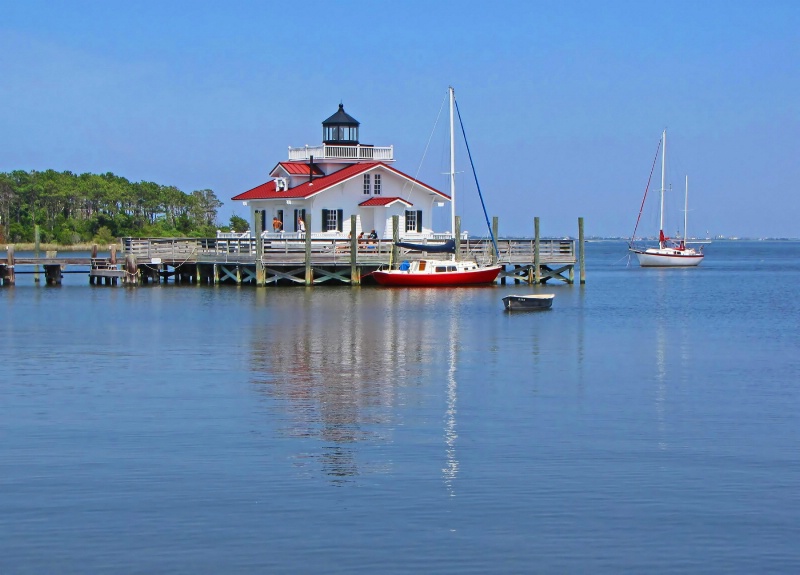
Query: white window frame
[366,184]
[411,217]
[333,221]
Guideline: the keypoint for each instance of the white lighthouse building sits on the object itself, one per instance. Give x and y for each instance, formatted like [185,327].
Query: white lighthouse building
[338,179]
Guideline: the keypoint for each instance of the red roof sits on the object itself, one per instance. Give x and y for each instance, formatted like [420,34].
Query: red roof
[266,191]
[377,202]
[297,168]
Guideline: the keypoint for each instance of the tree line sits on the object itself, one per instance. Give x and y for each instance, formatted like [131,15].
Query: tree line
[73,208]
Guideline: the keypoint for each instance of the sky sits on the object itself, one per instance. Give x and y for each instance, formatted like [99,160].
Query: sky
[563,102]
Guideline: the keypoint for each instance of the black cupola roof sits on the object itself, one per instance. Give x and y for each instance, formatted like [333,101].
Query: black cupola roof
[340,129]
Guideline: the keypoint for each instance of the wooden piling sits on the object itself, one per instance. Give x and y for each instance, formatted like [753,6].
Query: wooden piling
[131,270]
[10,275]
[395,239]
[581,246]
[457,236]
[495,227]
[36,237]
[309,269]
[355,276]
[52,274]
[260,275]
[537,272]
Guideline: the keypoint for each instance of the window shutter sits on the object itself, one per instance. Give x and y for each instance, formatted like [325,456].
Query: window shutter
[339,214]
[325,220]
[419,221]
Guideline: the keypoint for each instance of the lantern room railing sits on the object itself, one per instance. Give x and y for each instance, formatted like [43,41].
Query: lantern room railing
[357,152]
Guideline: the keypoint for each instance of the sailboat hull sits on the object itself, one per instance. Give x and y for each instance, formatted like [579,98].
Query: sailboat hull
[411,278]
[668,258]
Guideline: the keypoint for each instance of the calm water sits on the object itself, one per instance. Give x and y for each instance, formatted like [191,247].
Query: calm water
[650,422]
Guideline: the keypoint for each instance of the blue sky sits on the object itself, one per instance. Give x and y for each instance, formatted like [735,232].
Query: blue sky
[563,102]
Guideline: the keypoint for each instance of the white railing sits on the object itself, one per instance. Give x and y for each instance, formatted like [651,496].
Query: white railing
[233,235]
[358,152]
[412,237]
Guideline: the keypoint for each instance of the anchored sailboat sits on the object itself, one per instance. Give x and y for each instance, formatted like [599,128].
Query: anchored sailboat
[670,252]
[437,272]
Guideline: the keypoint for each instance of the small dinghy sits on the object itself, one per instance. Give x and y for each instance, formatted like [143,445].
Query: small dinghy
[528,302]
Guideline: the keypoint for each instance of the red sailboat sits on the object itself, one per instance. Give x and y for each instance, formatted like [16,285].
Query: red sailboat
[438,272]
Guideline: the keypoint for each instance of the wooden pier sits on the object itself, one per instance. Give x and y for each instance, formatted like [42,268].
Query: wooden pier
[295,260]
[103,271]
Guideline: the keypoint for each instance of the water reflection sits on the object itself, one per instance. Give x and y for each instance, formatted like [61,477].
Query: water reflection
[450,470]
[343,365]
[673,352]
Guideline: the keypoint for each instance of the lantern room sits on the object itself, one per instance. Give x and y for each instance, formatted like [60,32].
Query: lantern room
[340,129]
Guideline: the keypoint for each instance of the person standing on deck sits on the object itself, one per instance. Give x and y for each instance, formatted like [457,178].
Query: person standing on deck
[276,224]
[301,226]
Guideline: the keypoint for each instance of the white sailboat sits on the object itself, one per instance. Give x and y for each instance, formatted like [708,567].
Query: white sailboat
[670,252]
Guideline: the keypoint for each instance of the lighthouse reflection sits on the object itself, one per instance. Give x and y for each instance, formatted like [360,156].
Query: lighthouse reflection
[349,370]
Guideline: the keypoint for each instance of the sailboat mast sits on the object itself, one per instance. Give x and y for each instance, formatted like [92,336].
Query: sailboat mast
[452,164]
[686,211]
[663,172]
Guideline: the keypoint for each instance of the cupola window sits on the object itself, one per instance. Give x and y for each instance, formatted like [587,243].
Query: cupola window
[340,129]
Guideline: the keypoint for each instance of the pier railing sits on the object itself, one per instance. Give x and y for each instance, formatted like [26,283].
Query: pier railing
[334,250]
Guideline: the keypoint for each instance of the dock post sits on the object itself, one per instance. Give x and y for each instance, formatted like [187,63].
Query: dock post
[537,272]
[457,237]
[216,274]
[260,277]
[113,261]
[355,277]
[92,279]
[52,272]
[395,239]
[581,245]
[309,270]
[197,274]
[495,227]
[36,252]
[131,270]
[10,276]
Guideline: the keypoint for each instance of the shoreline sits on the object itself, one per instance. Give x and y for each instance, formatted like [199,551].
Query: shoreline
[30,247]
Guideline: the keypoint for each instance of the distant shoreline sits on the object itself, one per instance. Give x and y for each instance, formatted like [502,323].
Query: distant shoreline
[29,247]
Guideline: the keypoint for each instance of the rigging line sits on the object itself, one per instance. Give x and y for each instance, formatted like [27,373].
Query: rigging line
[475,175]
[628,255]
[425,152]
[647,187]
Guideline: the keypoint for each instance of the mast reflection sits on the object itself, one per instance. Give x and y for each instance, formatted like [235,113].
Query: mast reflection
[450,470]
